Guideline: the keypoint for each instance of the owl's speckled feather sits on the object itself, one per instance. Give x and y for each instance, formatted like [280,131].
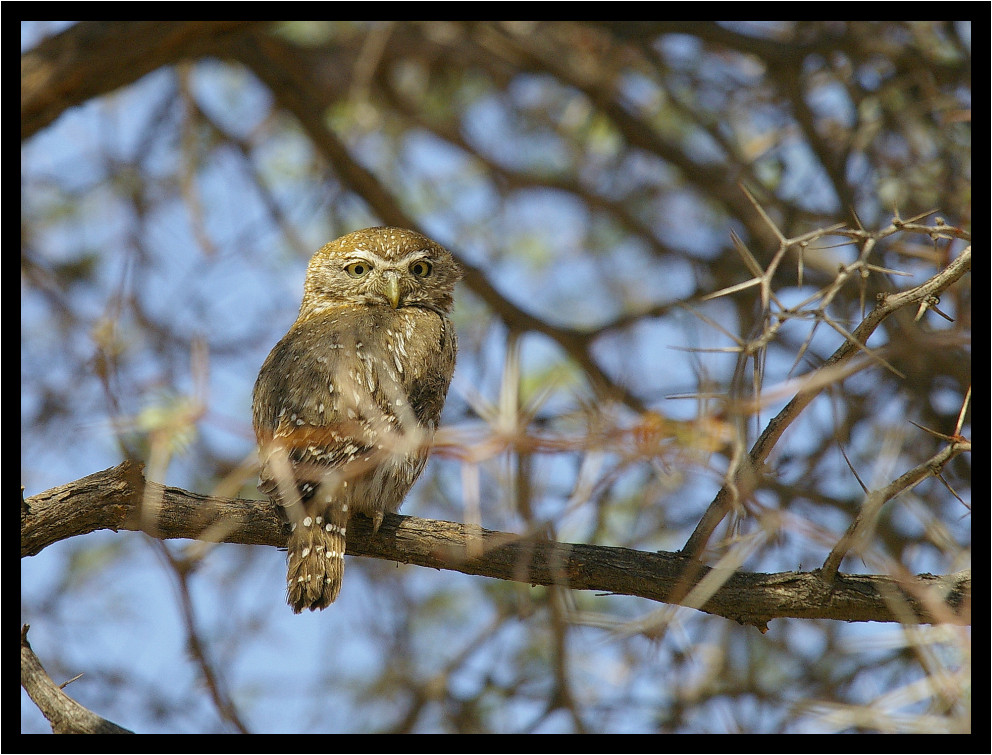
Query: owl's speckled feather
[346,404]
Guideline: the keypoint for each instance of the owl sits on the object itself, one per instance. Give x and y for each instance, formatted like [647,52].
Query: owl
[346,404]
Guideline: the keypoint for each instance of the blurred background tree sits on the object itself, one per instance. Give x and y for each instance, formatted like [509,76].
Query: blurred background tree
[598,180]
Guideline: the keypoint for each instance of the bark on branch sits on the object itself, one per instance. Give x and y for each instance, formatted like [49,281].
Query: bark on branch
[64,714]
[120,499]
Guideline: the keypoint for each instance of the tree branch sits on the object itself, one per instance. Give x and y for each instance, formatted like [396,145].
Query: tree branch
[64,714]
[746,474]
[120,498]
[95,57]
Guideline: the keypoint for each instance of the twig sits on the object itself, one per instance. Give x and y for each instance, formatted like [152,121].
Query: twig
[64,714]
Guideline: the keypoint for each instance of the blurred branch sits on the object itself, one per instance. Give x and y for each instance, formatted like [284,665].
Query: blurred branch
[291,81]
[197,646]
[64,714]
[111,499]
[600,88]
[512,180]
[95,57]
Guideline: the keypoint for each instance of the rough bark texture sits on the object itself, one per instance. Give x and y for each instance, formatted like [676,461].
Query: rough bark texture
[119,498]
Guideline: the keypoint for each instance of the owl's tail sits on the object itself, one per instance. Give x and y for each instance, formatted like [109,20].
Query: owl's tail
[315,559]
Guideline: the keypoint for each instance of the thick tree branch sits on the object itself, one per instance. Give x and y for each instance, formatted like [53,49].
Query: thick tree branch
[119,498]
[95,57]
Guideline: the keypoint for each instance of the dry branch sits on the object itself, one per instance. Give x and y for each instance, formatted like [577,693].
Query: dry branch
[851,347]
[116,499]
[64,714]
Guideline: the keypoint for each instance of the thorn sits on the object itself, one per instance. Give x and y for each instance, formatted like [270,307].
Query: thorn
[63,685]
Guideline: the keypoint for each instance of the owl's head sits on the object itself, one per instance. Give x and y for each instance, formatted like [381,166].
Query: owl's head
[380,266]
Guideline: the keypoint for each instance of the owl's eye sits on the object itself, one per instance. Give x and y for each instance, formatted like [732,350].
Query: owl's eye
[421,268]
[358,269]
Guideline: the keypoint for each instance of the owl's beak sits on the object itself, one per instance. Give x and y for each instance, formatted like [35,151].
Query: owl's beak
[393,291]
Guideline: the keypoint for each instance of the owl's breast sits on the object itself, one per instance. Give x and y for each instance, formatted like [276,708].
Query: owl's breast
[376,366]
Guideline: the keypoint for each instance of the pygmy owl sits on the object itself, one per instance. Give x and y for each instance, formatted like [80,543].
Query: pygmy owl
[346,404]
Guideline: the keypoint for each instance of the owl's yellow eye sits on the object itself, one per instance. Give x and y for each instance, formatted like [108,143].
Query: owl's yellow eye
[358,269]
[421,268]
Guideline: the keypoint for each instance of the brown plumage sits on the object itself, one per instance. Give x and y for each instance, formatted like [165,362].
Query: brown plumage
[346,404]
